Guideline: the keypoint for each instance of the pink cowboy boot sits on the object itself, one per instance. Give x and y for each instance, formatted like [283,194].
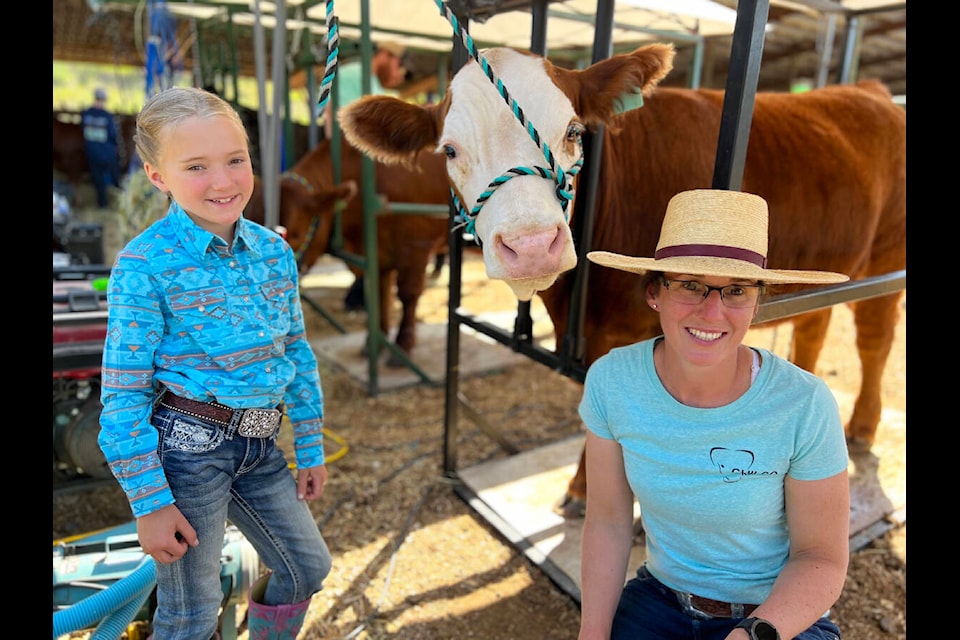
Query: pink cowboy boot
[273,622]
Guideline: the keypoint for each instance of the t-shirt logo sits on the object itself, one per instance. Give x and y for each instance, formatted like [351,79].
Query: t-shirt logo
[735,464]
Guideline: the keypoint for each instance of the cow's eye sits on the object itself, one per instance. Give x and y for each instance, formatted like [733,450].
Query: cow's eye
[450,151]
[574,131]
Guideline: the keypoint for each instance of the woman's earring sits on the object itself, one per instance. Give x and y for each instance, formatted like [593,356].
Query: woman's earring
[655,307]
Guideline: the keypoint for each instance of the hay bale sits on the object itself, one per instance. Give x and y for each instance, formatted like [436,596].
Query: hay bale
[141,204]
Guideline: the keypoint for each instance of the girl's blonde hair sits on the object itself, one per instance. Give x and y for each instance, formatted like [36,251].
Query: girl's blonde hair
[172,106]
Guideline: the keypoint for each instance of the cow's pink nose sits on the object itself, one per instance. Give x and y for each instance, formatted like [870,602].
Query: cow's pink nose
[531,255]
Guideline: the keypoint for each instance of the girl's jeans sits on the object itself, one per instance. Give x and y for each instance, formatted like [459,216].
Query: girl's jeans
[648,610]
[216,474]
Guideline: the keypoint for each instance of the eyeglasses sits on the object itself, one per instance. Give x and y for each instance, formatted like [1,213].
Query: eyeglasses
[691,292]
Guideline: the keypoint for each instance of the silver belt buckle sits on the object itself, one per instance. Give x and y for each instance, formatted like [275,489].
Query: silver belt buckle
[686,601]
[259,423]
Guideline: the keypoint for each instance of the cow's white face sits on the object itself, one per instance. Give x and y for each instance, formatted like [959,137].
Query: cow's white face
[522,227]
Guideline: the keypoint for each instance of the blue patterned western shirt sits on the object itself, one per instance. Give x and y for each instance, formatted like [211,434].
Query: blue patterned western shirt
[212,323]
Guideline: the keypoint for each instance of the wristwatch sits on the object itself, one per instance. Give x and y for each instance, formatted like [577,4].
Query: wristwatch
[759,629]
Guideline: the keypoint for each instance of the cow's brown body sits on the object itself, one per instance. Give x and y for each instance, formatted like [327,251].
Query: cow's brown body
[405,242]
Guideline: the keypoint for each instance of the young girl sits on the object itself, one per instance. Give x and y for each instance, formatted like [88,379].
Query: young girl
[736,456]
[205,351]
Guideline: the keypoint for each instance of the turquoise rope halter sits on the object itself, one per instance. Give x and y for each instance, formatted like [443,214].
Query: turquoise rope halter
[563,179]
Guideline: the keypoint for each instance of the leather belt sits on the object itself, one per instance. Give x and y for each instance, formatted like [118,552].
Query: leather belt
[704,608]
[719,609]
[710,608]
[251,423]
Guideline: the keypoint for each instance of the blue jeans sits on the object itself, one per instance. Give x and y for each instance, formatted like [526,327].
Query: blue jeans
[648,610]
[216,474]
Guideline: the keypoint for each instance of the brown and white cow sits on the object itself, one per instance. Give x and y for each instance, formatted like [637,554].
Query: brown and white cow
[405,241]
[831,163]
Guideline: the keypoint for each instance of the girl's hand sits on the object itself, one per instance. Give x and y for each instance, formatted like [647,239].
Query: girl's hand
[165,534]
[310,482]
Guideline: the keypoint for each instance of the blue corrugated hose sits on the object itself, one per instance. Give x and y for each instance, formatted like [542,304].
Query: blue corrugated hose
[92,609]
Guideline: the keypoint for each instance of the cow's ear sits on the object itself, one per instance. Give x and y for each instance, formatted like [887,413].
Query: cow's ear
[391,130]
[328,198]
[596,92]
[347,190]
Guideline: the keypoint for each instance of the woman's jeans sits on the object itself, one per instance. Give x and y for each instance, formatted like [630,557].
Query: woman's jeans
[216,474]
[648,610]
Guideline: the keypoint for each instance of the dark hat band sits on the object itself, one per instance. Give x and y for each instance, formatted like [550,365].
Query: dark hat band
[711,251]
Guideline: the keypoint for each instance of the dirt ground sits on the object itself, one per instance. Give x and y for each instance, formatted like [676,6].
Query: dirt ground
[412,560]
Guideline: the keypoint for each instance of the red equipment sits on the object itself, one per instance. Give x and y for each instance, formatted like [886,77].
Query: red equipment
[79,328]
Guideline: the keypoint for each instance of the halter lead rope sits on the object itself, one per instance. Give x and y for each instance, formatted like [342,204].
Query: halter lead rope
[333,53]
[563,179]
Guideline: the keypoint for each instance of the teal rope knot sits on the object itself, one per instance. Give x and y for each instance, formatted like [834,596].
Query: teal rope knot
[564,192]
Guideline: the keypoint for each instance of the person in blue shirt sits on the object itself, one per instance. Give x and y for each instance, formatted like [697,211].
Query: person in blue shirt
[205,352]
[100,145]
[736,457]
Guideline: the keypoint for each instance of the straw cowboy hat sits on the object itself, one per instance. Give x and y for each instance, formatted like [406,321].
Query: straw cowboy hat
[713,232]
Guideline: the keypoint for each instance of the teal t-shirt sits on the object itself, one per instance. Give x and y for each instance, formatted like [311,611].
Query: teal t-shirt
[710,481]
